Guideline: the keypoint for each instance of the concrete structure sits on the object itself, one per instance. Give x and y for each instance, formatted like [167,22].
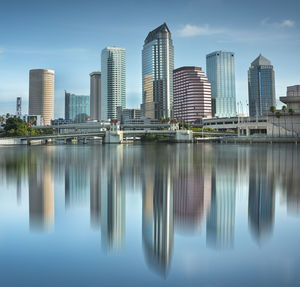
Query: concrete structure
[292,99]
[270,125]
[77,108]
[95,96]
[113,82]
[221,74]
[157,72]
[261,87]
[19,107]
[125,115]
[192,94]
[41,94]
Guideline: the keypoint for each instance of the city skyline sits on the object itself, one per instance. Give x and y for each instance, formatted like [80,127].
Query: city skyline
[73,53]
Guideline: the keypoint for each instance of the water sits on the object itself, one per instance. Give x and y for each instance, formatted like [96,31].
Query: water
[151,215]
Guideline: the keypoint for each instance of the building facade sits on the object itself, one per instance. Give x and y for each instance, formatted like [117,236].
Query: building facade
[292,99]
[41,94]
[113,81]
[157,73]
[125,115]
[192,94]
[77,108]
[95,95]
[220,72]
[261,87]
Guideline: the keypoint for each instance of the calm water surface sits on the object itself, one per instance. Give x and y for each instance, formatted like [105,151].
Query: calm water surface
[150,215]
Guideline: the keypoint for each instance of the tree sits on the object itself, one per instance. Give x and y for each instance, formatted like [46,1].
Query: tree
[17,127]
[272,110]
[284,109]
[291,113]
[278,115]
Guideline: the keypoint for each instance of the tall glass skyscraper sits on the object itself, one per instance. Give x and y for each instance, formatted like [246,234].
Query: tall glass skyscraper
[113,81]
[221,74]
[261,86]
[157,70]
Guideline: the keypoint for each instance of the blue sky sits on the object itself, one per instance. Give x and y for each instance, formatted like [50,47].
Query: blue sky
[68,36]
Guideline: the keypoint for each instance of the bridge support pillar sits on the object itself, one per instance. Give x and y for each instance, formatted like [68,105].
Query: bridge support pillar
[113,137]
[183,136]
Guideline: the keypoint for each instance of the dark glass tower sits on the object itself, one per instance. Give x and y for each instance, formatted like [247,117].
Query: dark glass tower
[261,86]
[157,70]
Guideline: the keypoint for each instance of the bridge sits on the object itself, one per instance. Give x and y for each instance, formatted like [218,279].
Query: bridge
[114,133]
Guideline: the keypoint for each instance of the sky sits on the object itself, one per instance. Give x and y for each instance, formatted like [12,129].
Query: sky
[68,36]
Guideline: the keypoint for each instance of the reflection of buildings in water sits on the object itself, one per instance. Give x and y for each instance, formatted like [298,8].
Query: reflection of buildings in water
[261,203]
[76,183]
[113,206]
[95,198]
[41,195]
[192,191]
[221,218]
[157,226]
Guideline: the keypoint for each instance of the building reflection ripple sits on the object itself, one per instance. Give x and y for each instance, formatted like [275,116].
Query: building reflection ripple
[41,191]
[157,222]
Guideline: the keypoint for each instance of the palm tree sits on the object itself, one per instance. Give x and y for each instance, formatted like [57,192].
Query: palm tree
[284,109]
[278,115]
[291,112]
[272,110]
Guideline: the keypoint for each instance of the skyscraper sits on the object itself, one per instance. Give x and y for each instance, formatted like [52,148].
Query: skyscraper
[192,94]
[95,95]
[157,71]
[261,86]
[41,94]
[77,108]
[220,72]
[113,81]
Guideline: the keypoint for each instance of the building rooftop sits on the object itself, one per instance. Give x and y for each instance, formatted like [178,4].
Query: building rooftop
[261,61]
[188,68]
[153,34]
[218,52]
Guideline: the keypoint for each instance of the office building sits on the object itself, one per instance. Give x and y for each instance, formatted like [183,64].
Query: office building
[113,82]
[261,87]
[157,72]
[77,108]
[41,94]
[192,94]
[95,95]
[221,74]
[292,99]
[125,115]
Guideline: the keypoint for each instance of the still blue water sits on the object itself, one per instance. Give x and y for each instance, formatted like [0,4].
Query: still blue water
[151,215]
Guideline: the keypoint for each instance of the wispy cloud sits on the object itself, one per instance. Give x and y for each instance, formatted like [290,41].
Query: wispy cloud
[287,23]
[270,32]
[194,30]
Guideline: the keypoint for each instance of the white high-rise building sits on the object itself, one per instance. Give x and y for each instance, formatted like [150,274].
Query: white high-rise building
[113,81]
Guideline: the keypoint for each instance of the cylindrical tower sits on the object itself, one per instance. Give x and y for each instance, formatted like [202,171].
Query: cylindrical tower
[41,94]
